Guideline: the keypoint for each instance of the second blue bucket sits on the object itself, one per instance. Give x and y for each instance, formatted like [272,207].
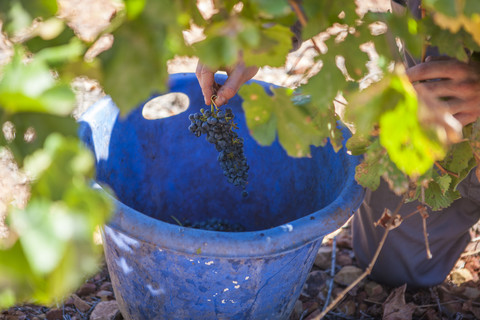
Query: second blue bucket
[161,173]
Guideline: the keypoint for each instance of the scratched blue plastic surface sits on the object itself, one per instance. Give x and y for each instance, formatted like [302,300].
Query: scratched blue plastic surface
[158,169]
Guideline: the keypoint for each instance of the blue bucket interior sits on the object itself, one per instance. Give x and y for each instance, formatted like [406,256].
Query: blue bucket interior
[160,169]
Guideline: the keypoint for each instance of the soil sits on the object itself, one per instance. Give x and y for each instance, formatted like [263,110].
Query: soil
[457,298]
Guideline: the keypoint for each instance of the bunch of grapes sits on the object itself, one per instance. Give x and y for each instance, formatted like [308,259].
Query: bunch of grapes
[218,125]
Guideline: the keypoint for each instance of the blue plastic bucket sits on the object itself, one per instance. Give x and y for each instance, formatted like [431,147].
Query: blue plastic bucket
[158,169]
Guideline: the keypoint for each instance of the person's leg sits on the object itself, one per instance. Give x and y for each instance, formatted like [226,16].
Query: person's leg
[403,258]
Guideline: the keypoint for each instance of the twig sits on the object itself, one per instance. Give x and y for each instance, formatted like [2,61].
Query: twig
[176,220]
[299,58]
[425,235]
[303,21]
[424,214]
[445,171]
[435,295]
[338,101]
[368,269]
[332,273]
[411,214]
[304,313]
[420,306]
[470,253]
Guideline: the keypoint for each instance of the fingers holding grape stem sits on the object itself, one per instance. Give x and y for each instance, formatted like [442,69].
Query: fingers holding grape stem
[218,126]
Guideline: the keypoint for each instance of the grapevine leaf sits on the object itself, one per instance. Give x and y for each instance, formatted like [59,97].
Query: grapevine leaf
[272,8]
[451,44]
[444,182]
[324,119]
[132,75]
[55,229]
[358,144]
[43,227]
[273,47]
[323,14]
[217,51]
[134,8]
[475,144]
[259,115]
[326,84]
[355,59]
[471,7]
[471,25]
[458,159]
[411,147]
[20,13]
[397,181]
[294,126]
[369,172]
[366,107]
[436,198]
[31,87]
[43,125]
[447,7]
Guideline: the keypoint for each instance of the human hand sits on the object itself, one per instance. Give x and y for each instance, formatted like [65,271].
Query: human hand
[445,83]
[237,76]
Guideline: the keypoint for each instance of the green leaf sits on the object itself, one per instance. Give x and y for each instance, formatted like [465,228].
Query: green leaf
[217,51]
[458,159]
[436,199]
[447,7]
[448,43]
[409,145]
[131,76]
[54,166]
[272,8]
[272,49]
[44,228]
[30,87]
[357,144]
[55,250]
[366,107]
[444,182]
[134,8]
[267,116]
[323,14]
[43,125]
[369,172]
[259,114]
[7,298]
[326,84]
[471,7]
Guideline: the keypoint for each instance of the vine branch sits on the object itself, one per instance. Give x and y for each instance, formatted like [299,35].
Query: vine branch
[368,270]
[303,21]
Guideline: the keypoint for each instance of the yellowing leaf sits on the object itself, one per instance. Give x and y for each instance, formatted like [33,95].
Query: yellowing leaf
[471,25]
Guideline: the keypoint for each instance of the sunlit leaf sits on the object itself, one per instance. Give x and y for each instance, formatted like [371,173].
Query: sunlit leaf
[31,87]
[280,116]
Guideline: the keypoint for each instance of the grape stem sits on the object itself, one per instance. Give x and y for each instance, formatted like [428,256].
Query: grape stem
[303,21]
[445,171]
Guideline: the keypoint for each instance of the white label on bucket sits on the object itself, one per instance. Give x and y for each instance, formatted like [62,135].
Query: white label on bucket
[155,292]
[122,263]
